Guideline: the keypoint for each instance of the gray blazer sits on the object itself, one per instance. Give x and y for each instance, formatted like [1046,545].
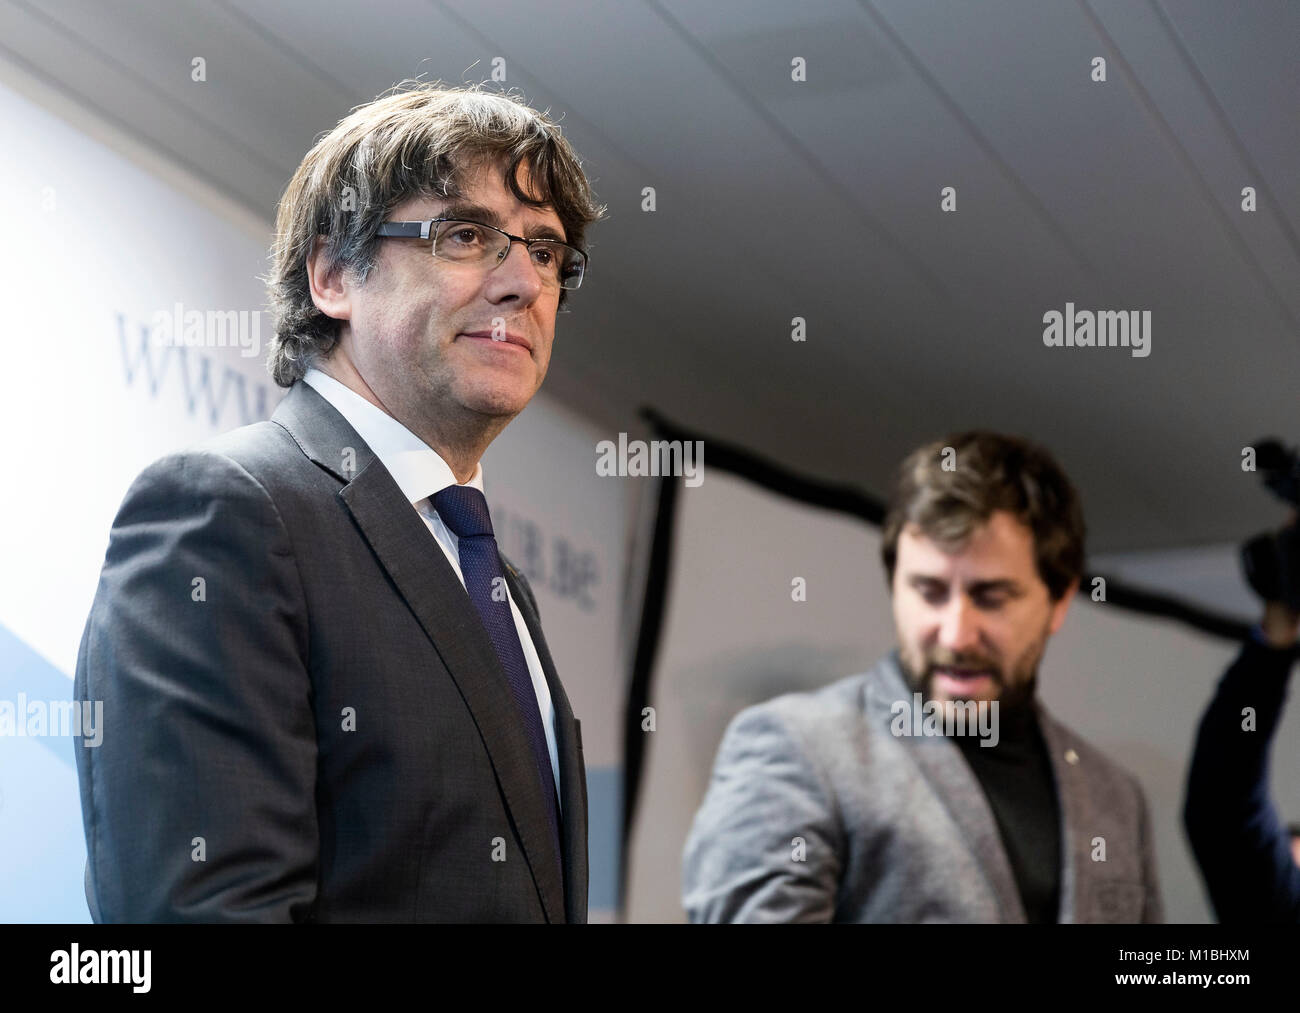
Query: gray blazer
[895,829]
[321,729]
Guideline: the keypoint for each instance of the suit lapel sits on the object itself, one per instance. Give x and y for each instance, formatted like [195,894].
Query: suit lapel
[573,777]
[951,779]
[422,575]
[1071,796]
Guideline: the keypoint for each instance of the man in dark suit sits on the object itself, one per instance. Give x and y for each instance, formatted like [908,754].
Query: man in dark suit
[326,694]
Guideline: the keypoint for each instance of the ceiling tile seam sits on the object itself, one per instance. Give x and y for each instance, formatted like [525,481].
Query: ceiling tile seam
[587,125]
[1022,189]
[279,42]
[914,261]
[1225,124]
[774,278]
[173,157]
[160,93]
[1167,133]
[471,29]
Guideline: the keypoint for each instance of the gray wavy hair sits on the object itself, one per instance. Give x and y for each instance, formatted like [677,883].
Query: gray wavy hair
[419,141]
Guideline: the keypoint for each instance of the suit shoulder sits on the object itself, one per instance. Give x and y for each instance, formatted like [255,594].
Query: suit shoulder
[812,716]
[257,455]
[264,449]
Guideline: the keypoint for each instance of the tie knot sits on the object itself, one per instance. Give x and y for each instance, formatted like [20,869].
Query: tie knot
[464,510]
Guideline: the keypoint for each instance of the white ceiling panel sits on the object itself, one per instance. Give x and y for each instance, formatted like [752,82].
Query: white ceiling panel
[820,199]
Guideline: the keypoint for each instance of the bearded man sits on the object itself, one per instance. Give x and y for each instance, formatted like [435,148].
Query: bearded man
[935,787]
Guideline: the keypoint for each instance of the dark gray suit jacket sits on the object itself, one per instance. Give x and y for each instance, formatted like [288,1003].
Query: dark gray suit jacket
[896,829]
[304,718]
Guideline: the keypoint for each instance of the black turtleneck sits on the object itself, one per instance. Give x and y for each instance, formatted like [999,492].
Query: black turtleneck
[1017,779]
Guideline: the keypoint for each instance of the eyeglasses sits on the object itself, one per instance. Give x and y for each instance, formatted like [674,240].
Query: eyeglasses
[475,243]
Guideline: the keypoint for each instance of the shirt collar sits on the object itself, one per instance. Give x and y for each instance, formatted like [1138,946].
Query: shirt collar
[417,468]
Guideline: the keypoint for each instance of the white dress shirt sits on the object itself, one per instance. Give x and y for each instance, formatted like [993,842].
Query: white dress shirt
[420,472]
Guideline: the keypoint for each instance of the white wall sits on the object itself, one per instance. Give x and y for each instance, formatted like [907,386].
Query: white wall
[96,245]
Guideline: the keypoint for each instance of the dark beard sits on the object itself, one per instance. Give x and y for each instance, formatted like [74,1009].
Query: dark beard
[1012,701]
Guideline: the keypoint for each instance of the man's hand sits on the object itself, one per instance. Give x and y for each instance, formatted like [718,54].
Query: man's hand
[1281,625]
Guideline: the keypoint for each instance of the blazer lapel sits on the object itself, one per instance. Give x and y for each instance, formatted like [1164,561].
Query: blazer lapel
[573,775]
[949,775]
[421,573]
[1071,795]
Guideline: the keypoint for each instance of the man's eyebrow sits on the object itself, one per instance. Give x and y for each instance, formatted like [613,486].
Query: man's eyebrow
[486,216]
[547,232]
[472,213]
[1004,584]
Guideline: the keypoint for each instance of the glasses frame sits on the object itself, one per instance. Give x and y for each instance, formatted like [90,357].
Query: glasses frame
[424,230]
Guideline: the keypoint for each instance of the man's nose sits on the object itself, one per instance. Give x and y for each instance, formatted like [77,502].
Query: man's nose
[516,277]
[959,626]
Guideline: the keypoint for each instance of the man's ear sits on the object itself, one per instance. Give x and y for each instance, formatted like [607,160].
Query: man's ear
[330,290]
[1061,606]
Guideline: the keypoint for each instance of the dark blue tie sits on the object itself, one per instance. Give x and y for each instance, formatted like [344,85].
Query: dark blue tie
[465,511]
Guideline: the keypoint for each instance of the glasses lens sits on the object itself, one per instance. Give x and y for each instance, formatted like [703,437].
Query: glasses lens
[468,242]
[573,268]
[472,243]
[558,263]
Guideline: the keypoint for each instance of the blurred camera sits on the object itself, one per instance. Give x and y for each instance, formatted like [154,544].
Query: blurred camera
[1272,560]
